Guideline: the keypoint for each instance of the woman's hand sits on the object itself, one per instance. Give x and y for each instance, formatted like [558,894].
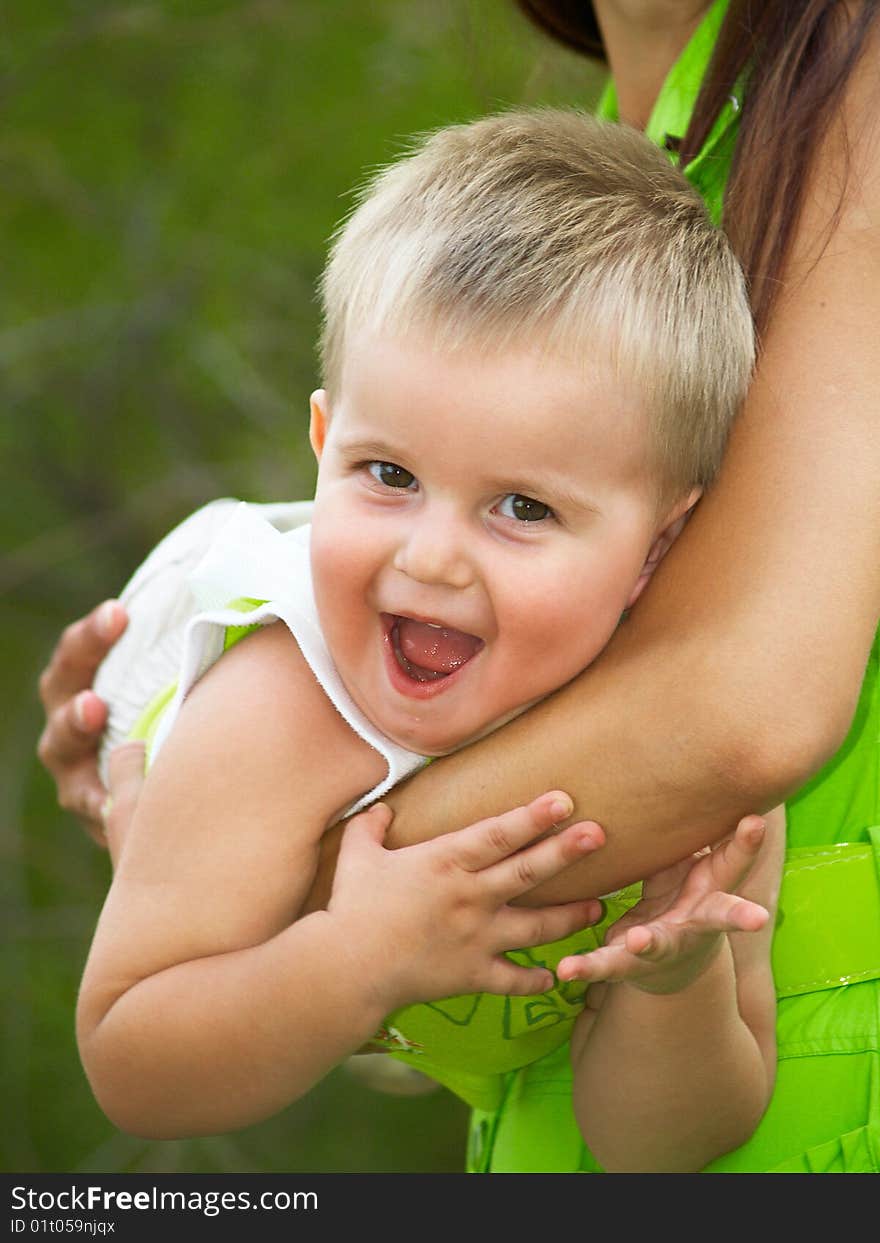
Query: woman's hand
[75,716]
[671,936]
[434,919]
[126,770]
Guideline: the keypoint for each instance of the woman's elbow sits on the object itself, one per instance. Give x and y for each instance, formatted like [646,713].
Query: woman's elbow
[783,765]
[768,748]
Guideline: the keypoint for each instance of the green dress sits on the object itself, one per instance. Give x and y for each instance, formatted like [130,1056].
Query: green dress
[825,1113]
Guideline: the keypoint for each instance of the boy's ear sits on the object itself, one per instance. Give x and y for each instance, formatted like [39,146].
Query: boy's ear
[319,406]
[673,525]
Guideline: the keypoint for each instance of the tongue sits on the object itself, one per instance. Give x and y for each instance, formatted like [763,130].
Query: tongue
[438,649]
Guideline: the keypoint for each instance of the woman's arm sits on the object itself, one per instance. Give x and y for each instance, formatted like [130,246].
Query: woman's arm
[737,674]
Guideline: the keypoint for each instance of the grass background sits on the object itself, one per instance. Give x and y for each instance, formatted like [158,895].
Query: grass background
[171,171]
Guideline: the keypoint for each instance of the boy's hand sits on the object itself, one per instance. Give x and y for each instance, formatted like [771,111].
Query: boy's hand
[432,920]
[669,938]
[75,716]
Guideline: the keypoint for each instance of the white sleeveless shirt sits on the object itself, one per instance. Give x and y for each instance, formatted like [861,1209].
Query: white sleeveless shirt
[179,610]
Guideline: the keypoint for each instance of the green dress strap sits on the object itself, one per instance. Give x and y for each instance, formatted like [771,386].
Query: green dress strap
[674,106]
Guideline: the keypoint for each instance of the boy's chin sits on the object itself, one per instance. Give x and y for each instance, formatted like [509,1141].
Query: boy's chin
[511,715]
[445,747]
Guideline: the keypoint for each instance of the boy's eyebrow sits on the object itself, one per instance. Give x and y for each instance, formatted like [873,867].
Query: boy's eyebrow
[558,492]
[356,447]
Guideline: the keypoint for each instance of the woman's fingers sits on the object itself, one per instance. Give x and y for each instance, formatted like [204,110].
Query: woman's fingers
[81,793]
[125,779]
[75,715]
[68,751]
[79,651]
[72,732]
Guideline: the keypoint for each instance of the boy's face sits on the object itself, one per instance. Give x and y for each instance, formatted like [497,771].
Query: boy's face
[481,522]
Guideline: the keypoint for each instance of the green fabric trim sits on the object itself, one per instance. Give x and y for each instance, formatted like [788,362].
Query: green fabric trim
[843,878]
[145,727]
[234,634]
[674,106]
[147,724]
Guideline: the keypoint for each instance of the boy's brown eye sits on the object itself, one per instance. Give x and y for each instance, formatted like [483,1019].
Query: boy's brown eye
[391,475]
[524,508]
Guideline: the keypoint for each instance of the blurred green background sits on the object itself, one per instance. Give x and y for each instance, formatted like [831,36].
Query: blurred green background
[171,171]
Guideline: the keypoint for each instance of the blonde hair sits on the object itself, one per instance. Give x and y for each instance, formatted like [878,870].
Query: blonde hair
[549,224]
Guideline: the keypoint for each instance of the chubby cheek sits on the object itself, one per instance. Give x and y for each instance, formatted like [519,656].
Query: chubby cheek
[558,636]
[339,543]
[340,574]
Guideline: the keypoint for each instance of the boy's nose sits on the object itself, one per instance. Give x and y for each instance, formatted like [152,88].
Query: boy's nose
[435,553]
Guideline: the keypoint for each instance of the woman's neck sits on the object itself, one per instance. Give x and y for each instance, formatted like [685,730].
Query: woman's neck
[643,40]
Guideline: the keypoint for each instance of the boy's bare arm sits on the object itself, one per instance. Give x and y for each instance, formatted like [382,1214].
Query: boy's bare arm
[201,971]
[206,887]
[668,1081]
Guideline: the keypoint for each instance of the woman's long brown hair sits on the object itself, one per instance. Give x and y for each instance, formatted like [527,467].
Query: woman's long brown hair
[799,55]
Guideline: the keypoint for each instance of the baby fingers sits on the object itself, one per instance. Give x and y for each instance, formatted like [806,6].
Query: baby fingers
[718,913]
[642,950]
[727,912]
[519,928]
[610,963]
[508,980]
[530,866]
[732,861]
[527,868]
[488,841]
[639,953]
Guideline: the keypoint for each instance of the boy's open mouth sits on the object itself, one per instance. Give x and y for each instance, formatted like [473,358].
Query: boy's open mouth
[429,652]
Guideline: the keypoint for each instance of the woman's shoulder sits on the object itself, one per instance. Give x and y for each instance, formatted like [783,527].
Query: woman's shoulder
[843,183]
